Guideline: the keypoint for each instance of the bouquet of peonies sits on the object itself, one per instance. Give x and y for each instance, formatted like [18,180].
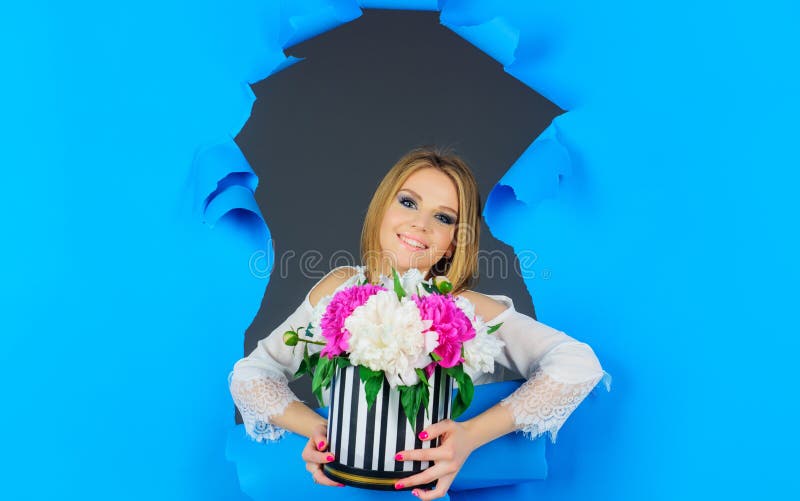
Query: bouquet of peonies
[399,336]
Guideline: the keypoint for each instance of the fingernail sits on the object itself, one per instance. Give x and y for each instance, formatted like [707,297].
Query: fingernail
[414,492]
[329,458]
[339,485]
[423,435]
[321,445]
[398,486]
[398,457]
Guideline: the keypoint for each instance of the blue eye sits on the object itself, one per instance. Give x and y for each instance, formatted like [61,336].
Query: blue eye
[445,218]
[405,199]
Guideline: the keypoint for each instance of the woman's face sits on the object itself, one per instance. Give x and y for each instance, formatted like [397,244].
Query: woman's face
[425,209]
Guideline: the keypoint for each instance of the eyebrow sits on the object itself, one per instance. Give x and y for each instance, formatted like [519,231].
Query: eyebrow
[420,198]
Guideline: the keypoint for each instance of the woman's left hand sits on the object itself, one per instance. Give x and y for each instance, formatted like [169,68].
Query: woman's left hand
[456,445]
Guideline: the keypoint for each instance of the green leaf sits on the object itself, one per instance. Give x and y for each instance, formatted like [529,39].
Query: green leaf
[494,328]
[319,374]
[422,377]
[372,387]
[421,399]
[435,356]
[306,358]
[428,288]
[398,287]
[314,361]
[365,373]
[456,372]
[318,394]
[342,362]
[419,389]
[463,397]
[407,398]
[330,368]
[466,390]
[321,378]
[458,408]
[302,369]
[425,399]
[327,381]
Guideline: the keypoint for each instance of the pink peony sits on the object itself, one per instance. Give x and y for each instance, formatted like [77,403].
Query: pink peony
[453,326]
[340,307]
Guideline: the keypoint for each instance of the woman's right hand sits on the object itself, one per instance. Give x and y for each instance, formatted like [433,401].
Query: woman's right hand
[315,455]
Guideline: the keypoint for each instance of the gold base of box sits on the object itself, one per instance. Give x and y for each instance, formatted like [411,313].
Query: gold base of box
[367,479]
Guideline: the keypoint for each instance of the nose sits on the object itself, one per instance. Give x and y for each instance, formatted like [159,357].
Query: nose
[420,222]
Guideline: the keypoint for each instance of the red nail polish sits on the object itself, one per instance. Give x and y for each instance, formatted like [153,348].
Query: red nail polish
[398,486]
[321,445]
[423,435]
[398,457]
[414,492]
[339,485]
[329,458]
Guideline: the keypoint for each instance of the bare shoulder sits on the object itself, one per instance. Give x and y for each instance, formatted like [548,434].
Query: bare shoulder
[330,282]
[485,306]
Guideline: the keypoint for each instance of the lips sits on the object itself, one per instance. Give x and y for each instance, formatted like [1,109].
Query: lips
[401,237]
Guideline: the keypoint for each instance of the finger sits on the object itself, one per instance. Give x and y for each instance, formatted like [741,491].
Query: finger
[321,479]
[442,485]
[312,456]
[441,453]
[319,437]
[436,429]
[423,477]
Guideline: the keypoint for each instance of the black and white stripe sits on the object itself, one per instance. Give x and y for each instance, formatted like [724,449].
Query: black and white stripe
[369,439]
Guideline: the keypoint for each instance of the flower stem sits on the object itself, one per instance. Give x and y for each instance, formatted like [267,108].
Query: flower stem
[312,342]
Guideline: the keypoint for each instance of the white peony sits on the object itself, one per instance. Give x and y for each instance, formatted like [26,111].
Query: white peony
[388,335]
[480,351]
[411,279]
[467,307]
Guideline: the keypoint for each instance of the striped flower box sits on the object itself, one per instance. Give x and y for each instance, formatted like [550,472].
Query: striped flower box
[364,442]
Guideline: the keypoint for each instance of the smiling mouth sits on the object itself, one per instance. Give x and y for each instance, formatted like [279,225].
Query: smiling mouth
[410,246]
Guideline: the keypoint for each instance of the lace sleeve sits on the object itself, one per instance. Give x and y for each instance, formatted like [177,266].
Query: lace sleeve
[560,370]
[567,374]
[258,400]
[259,382]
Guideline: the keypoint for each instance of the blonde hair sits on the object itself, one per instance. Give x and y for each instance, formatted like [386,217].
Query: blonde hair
[462,266]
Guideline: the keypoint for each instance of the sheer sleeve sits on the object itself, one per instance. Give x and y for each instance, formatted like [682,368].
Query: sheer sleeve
[560,370]
[259,382]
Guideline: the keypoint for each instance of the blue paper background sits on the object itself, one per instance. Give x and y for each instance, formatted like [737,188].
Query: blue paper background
[660,209]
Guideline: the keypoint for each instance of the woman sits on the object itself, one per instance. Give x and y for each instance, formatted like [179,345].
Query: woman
[425,214]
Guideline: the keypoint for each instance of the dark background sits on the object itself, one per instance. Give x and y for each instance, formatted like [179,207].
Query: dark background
[324,131]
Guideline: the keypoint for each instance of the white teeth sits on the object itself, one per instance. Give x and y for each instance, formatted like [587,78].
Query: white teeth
[411,242]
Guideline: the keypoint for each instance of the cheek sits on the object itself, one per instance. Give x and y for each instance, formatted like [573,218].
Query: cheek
[444,239]
[390,219]
[386,230]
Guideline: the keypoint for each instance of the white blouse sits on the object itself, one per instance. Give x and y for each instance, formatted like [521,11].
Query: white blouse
[560,371]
